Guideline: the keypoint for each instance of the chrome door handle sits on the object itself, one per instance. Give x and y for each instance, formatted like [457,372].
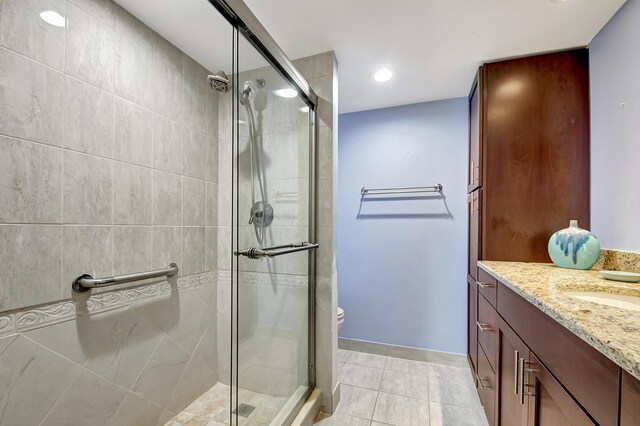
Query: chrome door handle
[485,285]
[259,253]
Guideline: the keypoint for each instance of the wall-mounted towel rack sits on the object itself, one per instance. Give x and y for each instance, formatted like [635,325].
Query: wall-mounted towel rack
[87,282]
[400,190]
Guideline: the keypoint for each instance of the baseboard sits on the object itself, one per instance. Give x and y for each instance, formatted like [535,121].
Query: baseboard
[416,354]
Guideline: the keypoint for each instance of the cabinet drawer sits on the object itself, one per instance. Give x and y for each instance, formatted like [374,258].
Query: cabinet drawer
[487,286]
[590,377]
[486,379]
[488,330]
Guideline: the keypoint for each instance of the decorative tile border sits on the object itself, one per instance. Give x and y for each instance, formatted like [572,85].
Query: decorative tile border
[43,315]
[34,317]
[266,279]
[39,316]
[281,280]
[6,324]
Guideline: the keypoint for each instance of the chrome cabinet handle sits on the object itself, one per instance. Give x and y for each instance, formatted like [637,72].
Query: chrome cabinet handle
[481,384]
[483,327]
[485,285]
[515,372]
[523,385]
[259,253]
[471,174]
[522,361]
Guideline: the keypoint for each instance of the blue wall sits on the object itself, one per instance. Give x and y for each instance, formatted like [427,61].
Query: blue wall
[402,262]
[615,128]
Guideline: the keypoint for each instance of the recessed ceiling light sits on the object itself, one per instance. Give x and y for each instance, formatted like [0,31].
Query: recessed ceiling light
[53,18]
[304,109]
[382,75]
[286,93]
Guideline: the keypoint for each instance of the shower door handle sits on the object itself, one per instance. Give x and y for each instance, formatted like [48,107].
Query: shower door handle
[259,253]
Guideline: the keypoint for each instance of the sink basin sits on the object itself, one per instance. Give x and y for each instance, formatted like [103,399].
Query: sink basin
[621,301]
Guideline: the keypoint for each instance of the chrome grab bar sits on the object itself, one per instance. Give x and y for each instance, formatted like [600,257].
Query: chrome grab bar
[86,282]
[400,190]
[258,253]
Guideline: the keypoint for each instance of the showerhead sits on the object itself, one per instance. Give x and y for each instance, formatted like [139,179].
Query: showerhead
[219,82]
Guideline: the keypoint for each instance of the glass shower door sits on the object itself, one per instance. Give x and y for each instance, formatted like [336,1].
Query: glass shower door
[272,242]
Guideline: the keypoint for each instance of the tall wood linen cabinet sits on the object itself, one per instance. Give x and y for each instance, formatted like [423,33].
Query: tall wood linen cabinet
[528,176]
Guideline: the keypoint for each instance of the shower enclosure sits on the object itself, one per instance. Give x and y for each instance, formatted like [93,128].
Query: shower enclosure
[157,216]
[273,231]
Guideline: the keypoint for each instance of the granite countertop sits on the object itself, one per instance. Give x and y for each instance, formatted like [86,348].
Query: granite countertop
[615,332]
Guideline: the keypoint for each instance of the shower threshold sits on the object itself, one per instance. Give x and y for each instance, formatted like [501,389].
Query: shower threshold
[212,408]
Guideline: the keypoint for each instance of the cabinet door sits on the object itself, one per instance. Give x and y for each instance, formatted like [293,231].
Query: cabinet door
[474,201]
[630,400]
[475,135]
[549,403]
[536,137]
[472,329]
[513,404]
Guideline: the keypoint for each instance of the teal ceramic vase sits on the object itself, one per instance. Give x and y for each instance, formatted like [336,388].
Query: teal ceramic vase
[574,248]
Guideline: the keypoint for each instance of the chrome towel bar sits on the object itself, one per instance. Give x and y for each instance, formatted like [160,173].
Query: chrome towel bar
[400,190]
[87,282]
[258,253]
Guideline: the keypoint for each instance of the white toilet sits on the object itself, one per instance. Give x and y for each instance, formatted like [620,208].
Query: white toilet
[340,317]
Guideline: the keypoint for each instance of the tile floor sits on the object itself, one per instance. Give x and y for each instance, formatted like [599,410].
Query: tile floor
[432,390]
[386,390]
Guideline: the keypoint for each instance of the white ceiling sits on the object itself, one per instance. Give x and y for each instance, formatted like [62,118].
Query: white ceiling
[434,46]
[197,28]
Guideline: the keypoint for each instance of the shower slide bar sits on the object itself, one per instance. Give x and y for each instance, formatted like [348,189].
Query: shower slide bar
[87,282]
[258,253]
[400,190]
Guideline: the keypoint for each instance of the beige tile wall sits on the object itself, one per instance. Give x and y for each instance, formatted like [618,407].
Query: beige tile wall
[321,71]
[108,165]
[110,158]
[108,136]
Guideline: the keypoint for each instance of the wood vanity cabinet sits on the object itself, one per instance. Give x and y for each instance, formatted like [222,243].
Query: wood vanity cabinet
[528,171]
[529,152]
[532,371]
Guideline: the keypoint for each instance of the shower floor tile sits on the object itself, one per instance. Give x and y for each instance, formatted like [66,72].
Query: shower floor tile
[212,408]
